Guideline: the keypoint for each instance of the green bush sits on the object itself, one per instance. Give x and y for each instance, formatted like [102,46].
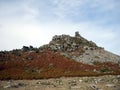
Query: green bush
[16,52]
[105,70]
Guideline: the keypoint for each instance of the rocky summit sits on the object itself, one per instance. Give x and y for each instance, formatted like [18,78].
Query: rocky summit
[63,56]
[69,43]
[80,49]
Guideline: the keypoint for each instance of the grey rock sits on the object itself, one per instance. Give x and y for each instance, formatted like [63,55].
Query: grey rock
[7,86]
[87,51]
[94,87]
[110,85]
[72,83]
[14,85]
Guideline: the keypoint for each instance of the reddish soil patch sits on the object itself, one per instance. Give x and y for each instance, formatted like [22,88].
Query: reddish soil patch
[47,64]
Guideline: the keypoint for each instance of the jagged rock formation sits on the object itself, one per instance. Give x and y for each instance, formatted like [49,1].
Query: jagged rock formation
[68,43]
[80,49]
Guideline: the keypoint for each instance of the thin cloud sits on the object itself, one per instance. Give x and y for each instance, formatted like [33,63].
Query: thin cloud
[28,22]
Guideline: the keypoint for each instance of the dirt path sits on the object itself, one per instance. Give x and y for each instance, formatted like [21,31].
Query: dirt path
[108,82]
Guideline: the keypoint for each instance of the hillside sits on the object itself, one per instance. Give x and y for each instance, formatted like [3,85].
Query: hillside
[80,49]
[64,56]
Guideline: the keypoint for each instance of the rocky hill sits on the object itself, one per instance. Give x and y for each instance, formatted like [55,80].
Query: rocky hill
[65,55]
[80,49]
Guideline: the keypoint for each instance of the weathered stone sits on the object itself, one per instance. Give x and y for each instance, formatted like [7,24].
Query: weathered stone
[80,80]
[110,85]
[94,87]
[72,83]
[7,86]
[14,85]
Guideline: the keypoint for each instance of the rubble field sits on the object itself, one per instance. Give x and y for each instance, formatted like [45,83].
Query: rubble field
[107,82]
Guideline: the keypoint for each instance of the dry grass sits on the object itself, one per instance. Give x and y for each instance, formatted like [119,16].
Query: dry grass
[49,65]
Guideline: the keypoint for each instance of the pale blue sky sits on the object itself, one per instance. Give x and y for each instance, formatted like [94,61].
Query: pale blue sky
[34,22]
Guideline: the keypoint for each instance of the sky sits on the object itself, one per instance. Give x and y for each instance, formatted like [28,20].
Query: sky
[35,22]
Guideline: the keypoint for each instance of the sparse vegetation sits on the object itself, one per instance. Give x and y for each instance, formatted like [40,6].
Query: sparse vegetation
[16,52]
[97,63]
[97,57]
[54,60]
[50,65]
[30,48]
[105,70]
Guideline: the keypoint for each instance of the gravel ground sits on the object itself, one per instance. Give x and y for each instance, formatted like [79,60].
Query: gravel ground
[108,82]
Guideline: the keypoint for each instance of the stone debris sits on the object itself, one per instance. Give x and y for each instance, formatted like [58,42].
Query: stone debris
[7,86]
[46,83]
[116,80]
[59,82]
[94,87]
[109,85]
[75,87]
[68,83]
[72,83]
[80,80]
[14,85]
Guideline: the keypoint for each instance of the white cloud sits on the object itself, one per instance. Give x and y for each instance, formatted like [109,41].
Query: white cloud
[86,9]
[29,24]
[70,3]
[19,34]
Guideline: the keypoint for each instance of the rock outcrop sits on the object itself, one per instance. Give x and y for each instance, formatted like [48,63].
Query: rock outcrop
[69,43]
[80,49]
